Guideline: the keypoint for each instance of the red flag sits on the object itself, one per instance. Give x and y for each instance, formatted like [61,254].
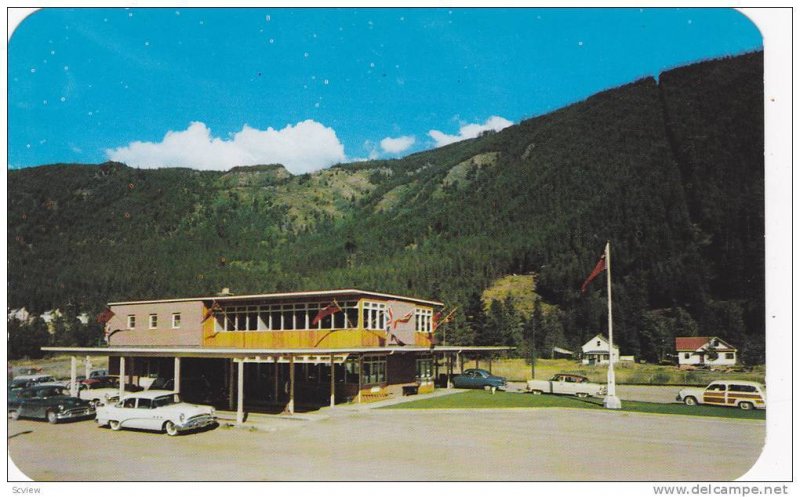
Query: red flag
[391,322]
[213,310]
[438,320]
[326,311]
[403,319]
[599,268]
[105,316]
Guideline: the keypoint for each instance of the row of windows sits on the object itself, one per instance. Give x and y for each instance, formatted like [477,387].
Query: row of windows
[309,316]
[283,317]
[152,321]
[374,370]
[688,355]
[287,317]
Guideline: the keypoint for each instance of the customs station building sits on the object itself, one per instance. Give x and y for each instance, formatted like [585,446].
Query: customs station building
[277,352]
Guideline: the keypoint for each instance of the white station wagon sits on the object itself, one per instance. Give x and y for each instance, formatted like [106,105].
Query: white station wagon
[158,410]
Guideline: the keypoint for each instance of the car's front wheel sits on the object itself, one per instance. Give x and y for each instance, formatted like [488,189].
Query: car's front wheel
[115,425]
[536,392]
[52,418]
[171,429]
[690,401]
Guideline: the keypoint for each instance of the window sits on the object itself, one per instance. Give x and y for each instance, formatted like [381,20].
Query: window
[351,370]
[374,370]
[374,315]
[129,403]
[153,321]
[598,343]
[144,404]
[176,319]
[131,321]
[728,355]
[423,320]
[716,388]
[687,355]
[742,388]
[424,368]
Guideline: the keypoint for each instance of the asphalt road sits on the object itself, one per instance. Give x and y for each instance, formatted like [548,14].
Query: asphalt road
[381,445]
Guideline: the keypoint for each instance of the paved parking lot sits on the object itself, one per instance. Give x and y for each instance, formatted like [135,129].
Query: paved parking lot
[380,445]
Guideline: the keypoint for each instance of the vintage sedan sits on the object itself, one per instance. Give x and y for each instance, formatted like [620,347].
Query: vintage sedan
[29,380]
[103,390]
[50,402]
[479,378]
[157,410]
[730,393]
[566,384]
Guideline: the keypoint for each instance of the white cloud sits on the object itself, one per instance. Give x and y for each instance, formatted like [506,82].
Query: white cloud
[397,145]
[467,131]
[306,146]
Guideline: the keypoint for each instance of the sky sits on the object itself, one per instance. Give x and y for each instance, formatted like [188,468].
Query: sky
[215,88]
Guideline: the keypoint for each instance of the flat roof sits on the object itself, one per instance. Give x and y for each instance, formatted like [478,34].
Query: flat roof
[227,352]
[316,293]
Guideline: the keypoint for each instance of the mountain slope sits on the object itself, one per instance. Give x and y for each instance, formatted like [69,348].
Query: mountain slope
[671,172]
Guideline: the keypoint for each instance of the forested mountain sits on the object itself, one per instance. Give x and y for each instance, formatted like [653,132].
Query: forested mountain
[670,171]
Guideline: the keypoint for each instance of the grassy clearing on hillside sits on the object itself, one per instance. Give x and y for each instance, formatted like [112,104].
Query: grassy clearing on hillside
[626,373]
[480,399]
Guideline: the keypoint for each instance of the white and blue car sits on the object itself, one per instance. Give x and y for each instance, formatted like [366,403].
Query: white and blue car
[156,410]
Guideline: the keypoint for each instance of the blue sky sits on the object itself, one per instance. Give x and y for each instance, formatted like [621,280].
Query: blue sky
[214,88]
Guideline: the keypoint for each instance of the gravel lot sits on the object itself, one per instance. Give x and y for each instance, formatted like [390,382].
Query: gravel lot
[380,445]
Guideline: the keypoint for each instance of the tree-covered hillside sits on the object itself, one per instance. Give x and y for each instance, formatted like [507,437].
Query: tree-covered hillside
[671,172]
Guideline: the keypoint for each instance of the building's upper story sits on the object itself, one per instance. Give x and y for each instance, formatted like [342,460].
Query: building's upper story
[316,319]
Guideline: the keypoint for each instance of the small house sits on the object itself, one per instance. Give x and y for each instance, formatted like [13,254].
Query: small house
[596,351]
[711,351]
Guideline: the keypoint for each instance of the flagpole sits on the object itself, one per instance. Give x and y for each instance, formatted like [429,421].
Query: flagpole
[611,401]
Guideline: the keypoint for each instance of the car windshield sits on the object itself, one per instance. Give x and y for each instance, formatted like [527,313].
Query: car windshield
[166,400]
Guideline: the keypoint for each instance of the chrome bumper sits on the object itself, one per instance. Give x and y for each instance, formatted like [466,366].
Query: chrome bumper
[78,412]
[195,422]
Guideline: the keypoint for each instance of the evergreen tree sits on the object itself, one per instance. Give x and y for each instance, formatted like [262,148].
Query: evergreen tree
[475,318]
[496,328]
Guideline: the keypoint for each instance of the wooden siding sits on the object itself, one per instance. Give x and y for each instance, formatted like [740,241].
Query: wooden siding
[292,339]
[423,339]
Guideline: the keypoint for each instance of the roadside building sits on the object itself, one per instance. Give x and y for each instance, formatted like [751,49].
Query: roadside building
[280,351]
[596,351]
[710,351]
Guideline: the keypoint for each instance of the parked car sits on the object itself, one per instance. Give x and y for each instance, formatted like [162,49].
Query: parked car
[103,389]
[730,393]
[566,384]
[50,402]
[157,410]
[193,389]
[98,372]
[29,380]
[479,378]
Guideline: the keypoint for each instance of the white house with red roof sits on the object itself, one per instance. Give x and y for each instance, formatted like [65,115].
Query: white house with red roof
[711,351]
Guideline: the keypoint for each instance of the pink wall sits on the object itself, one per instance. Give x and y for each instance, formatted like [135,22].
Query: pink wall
[189,334]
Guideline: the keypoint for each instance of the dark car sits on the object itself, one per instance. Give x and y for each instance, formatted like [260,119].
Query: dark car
[29,380]
[49,402]
[479,378]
